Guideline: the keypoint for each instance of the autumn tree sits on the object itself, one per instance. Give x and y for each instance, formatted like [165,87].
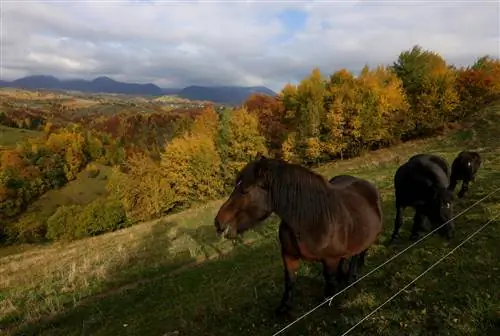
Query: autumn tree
[273,122]
[306,104]
[192,163]
[239,141]
[429,84]
[478,85]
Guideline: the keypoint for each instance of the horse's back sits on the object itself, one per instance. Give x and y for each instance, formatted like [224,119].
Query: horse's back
[432,168]
[341,181]
[364,188]
[432,161]
[414,178]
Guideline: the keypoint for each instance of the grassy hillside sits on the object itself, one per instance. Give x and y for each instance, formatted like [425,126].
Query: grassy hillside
[10,136]
[140,281]
[82,191]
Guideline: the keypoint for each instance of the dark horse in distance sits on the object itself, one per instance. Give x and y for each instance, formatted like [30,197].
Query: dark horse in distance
[320,221]
[464,168]
[422,183]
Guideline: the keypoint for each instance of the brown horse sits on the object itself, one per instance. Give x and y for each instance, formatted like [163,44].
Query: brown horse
[320,221]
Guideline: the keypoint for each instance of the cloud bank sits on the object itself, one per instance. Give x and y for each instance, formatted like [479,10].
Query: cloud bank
[175,44]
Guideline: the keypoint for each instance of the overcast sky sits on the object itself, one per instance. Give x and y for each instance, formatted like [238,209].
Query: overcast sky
[180,43]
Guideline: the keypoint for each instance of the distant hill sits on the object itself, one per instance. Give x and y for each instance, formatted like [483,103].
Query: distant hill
[232,95]
[222,94]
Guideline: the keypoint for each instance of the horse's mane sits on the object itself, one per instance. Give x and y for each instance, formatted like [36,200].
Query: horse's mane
[301,194]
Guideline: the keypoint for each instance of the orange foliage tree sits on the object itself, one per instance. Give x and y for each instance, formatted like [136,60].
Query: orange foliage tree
[478,85]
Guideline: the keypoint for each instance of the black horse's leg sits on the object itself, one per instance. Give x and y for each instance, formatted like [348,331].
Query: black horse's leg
[360,262]
[398,222]
[342,274]
[329,266]
[290,258]
[453,183]
[418,220]
[357,261]
[464,189]
[352,275]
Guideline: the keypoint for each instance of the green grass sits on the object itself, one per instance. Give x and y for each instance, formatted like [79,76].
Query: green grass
[138,281]
[10,136]
[82,191]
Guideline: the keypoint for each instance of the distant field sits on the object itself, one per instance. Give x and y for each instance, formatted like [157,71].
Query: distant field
[82,190]
[140,280]
[10,136]
[30,94]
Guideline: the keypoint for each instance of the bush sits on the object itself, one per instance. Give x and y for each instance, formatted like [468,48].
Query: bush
[99,217]
[92,170]
[76,221]
[62,224]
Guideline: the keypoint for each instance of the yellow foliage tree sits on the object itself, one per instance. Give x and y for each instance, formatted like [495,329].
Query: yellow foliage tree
[429,84]
[144,190]
[191,162]
[240,140]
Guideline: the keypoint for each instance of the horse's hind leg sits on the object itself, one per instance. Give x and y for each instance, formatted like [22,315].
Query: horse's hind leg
[329,274]
[357,261]
[361,259]
[398,222]
[342,274]
[418,221]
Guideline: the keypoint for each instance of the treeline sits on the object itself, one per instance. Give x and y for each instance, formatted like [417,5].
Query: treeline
[320,119]
[142,131]
[39,165]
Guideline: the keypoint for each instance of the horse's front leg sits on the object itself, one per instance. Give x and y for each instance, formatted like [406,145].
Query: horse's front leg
[291,262]
[464,189]
[291,266]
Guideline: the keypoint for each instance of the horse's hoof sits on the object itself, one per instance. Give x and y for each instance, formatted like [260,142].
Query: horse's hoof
[283,311]
[392,239]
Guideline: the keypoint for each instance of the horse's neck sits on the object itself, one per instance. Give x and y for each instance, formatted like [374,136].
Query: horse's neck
[299,220]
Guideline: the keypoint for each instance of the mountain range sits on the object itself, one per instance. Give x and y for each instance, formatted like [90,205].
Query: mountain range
[231,95]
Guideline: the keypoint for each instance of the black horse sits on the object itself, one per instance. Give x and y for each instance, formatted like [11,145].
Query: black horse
[464,168]
[421,183]
[320,221]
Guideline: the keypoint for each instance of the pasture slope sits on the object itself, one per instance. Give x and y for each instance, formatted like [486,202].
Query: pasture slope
[136,282]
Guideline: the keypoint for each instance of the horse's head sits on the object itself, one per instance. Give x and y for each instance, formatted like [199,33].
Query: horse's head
[249,202]
[440,211]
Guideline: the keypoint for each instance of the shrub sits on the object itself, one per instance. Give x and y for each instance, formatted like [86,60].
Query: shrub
[92,170]
[76,221]
[62,224]
[99,217]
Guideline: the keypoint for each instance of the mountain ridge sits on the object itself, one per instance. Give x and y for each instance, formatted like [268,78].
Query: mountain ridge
[102,84]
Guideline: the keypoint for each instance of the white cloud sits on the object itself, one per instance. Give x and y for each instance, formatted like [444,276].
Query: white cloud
[234,43]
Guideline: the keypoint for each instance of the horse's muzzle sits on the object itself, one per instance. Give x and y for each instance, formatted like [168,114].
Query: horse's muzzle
[219,230]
